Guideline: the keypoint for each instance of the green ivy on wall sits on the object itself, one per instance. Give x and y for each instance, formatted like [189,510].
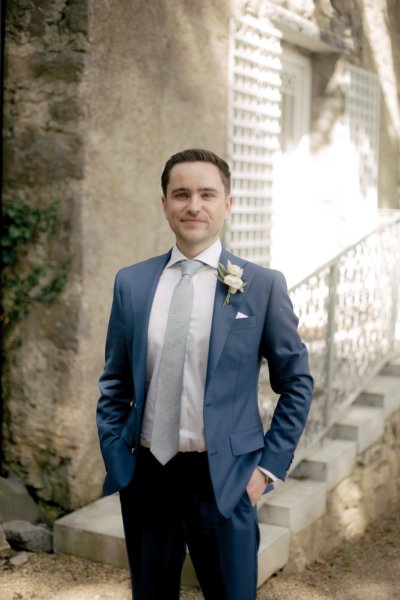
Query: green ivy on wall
[28,275]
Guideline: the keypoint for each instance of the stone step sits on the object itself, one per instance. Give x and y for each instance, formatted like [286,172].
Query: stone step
[392,367]
[294,505]
[383,392]
[96,533]
[361,424]
[273,553]
[331,462]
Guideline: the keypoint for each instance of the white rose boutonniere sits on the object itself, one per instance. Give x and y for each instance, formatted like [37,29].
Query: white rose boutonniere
[231,276]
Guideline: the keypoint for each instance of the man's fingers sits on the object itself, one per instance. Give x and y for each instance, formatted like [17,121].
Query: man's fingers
[256,486]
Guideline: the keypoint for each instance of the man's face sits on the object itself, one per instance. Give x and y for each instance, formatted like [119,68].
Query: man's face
[196,205]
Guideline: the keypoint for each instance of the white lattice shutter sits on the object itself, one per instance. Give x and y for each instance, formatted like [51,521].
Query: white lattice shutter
[253,134]
[362,118]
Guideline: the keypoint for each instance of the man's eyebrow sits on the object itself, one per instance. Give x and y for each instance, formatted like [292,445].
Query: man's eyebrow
[184,189]
[181,189]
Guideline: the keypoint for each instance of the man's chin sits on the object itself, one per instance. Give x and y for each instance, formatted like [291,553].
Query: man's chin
[194,243]
[193,237]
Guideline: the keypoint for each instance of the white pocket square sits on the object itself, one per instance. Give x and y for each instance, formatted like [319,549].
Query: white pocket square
[241,316]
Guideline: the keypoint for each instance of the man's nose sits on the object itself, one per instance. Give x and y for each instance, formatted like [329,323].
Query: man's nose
[194,204]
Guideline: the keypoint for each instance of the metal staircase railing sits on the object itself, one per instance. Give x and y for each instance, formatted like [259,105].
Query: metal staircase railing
[349,311]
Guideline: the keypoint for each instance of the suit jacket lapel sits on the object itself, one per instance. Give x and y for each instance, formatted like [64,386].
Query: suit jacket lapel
[224,316]
[142,295]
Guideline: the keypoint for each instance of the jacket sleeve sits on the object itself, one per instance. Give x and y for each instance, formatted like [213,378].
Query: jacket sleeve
[116,384]
[290,377]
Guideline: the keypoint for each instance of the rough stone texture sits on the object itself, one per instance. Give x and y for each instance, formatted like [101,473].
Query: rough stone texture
[23,535]
[356,501]
[20,559]
[15,502]
[43,162]
[5,548]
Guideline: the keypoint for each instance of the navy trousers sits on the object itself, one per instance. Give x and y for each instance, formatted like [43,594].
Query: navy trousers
[168,507]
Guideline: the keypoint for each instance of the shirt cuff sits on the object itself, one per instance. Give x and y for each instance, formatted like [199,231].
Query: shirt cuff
[268,473]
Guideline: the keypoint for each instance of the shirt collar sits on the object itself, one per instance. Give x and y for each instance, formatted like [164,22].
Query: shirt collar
[210,256]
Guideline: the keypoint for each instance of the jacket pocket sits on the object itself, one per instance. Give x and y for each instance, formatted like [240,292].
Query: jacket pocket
[243,442]
[249,323]
[120,469]
[128,430]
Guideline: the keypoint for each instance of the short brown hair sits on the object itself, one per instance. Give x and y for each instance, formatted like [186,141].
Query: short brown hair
[197,155]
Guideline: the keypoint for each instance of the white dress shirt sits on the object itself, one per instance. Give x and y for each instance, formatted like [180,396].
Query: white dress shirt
[191,433]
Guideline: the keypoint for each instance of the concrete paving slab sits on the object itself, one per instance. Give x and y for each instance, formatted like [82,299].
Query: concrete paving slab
[362,424]
[295,505]
[331,462]
[383,392]
[189,578]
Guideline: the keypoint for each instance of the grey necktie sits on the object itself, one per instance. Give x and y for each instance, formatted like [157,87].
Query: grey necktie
[165,435]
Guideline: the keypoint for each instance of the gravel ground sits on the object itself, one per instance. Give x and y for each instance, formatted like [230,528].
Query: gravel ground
[366,569]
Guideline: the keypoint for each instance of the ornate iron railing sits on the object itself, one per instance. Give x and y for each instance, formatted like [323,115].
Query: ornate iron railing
[349,311]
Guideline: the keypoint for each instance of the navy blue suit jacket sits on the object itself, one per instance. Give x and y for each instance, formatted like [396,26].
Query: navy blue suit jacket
[235,438]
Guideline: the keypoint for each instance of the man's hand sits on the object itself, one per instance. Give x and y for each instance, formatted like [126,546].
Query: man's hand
[256,486]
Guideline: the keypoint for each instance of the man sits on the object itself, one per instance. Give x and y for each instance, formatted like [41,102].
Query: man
[178,417]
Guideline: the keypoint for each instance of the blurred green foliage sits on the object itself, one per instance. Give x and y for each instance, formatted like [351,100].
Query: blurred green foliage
[29,274]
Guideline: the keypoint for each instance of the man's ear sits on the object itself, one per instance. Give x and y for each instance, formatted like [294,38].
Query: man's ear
[228,206]
[164,205]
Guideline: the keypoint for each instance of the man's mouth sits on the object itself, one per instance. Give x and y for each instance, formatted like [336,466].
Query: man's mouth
[193,220]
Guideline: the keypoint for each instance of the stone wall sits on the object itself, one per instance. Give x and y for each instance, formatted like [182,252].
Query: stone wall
[150,88]
[97,96]
[45,52]
[357,501]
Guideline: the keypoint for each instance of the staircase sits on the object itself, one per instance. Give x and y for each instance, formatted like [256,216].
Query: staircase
[95,532]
